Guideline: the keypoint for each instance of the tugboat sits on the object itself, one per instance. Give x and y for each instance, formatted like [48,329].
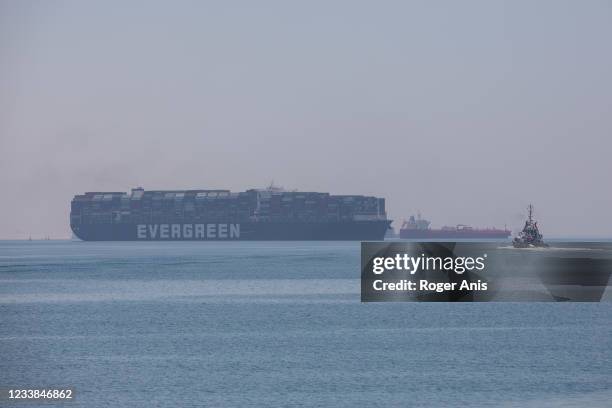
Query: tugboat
[530,236]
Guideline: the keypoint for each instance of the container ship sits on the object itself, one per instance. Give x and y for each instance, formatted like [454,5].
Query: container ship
[220,215]
[418,228]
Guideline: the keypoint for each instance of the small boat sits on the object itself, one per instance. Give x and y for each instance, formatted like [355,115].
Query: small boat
[530,236]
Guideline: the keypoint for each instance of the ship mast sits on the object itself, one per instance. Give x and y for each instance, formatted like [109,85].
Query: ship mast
[530,208]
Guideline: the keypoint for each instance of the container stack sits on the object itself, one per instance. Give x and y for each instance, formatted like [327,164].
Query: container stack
[183,206]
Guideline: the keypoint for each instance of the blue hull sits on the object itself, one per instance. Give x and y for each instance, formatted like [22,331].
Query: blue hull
[244,231]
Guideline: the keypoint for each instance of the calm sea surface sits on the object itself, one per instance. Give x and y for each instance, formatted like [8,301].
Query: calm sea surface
[277,324]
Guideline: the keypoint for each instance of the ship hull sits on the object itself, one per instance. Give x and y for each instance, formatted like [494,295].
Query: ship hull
[243,231]
[441,234]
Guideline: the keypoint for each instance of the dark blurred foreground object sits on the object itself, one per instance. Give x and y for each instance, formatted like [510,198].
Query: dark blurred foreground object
[576,279]
[530,236]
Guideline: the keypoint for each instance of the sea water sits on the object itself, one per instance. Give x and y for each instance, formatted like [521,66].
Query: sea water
[276,324]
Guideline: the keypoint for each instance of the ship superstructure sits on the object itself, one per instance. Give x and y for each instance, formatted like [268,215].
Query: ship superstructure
[256,214]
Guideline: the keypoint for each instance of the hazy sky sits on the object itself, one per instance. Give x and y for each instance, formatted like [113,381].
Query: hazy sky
[465,110]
